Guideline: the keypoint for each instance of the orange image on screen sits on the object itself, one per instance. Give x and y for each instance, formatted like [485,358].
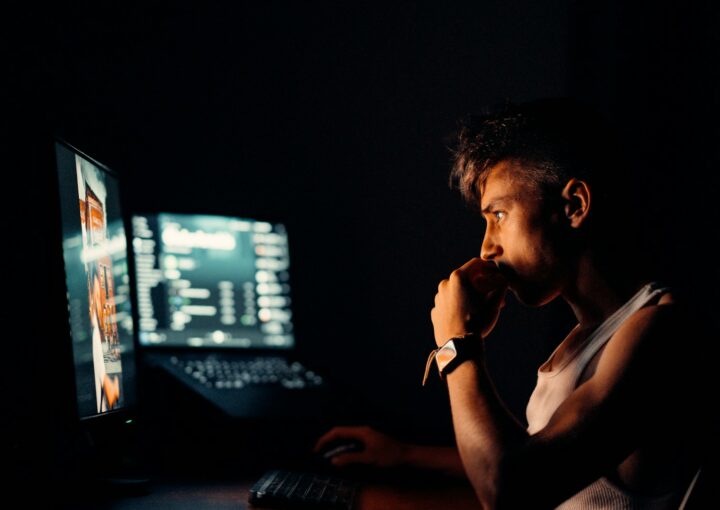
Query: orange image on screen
[101,294]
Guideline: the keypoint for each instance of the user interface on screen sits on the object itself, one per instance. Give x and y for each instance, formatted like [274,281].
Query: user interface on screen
[98,291]
[212,281]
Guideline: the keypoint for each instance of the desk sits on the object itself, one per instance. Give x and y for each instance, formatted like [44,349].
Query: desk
[384,497]
[197,461]
[226,494]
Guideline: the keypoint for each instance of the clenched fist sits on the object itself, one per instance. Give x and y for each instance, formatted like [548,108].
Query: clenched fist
[469,301]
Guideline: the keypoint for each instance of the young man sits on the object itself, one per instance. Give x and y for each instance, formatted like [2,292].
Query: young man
[615,419]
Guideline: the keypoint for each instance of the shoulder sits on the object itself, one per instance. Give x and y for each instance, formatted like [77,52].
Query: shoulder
[654,322]
[673,321]
[666,310]
[658,350]
[653,332]
[644,346]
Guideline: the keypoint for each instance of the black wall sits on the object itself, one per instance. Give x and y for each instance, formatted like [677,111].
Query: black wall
[337,116]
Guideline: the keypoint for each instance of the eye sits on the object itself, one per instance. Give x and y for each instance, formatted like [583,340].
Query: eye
[499,215]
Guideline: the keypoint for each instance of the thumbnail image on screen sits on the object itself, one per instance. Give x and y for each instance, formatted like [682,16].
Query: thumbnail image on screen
[95,256]
[212,281]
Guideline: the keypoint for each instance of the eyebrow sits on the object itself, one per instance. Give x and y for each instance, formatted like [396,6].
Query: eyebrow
[495,201]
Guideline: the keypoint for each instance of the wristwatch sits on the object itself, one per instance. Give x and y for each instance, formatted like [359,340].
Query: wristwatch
[453,353]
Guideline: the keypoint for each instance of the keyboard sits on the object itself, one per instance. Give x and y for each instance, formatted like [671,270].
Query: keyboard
[234,374]
[302,490]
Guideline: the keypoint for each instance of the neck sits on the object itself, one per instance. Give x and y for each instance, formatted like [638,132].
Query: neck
[596,291]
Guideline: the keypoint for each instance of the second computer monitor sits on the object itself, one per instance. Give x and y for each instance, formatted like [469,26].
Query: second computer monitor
[212,281]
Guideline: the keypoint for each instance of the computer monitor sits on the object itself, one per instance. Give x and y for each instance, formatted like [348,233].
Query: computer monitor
[104,447]
[210,281]
[99,302]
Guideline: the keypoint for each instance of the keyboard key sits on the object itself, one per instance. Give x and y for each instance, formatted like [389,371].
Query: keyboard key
[238,374]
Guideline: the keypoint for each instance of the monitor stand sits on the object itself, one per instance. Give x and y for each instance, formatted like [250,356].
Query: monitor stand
[110,460]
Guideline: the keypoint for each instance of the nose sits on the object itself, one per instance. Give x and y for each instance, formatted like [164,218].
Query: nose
[490,249]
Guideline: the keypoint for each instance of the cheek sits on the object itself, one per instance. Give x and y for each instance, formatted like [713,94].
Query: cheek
[532,255]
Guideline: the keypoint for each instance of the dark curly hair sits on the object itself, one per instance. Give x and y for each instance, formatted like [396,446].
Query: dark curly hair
[552,139]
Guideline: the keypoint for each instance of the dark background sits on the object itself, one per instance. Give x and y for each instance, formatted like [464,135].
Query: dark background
[337,117]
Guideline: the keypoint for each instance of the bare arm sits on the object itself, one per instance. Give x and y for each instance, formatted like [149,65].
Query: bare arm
[597,427]
[444,459]
[484,429]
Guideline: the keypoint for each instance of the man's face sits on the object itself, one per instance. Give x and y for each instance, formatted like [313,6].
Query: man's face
[522,235]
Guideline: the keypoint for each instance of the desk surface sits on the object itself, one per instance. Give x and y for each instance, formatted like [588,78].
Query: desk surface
[175,494]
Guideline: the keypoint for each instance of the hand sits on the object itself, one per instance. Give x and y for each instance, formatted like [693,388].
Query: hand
[469,301]
[379,449]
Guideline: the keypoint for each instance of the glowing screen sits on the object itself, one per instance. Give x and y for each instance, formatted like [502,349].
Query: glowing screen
[215,281]
[96,274]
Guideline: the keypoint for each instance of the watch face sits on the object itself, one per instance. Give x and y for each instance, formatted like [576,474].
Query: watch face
[446,354]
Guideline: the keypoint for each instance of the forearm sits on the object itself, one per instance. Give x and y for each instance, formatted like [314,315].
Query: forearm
[445,459]
[485,430]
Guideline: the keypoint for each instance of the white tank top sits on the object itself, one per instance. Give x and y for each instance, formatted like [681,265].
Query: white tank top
[555,384]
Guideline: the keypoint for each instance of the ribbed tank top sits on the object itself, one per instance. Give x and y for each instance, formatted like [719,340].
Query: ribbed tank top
[556,384]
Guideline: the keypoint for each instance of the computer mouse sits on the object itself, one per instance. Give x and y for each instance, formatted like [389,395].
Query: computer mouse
[339,446]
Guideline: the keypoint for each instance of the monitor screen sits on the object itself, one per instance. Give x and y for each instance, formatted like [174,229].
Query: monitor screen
[98,286]
[212,281]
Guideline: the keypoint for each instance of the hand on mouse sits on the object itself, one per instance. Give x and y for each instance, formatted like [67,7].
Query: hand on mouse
[378,449]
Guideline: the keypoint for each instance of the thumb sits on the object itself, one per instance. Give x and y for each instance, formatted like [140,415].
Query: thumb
[488,281]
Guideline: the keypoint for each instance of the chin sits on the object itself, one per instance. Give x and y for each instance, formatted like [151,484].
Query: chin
[534,296]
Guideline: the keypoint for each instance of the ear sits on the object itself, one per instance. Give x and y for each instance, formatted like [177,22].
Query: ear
[576,195]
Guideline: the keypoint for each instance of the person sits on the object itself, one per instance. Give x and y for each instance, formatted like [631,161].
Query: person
[616,417]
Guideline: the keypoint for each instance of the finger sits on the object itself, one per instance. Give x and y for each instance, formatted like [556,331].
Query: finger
[338,433]
[480,274]
[476,264]
[433,312]
[483,281]
[331,435]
